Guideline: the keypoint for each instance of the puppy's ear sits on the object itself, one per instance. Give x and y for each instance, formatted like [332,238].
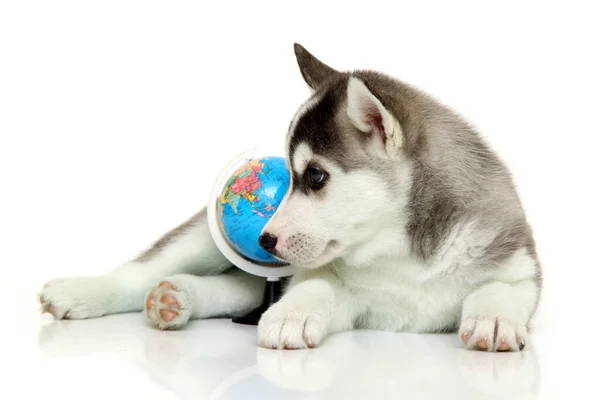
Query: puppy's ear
[313,71]
[369,116]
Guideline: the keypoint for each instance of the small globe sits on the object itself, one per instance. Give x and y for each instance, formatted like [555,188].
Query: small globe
[248,200]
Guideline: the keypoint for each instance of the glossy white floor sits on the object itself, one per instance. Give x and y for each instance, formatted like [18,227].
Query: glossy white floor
[219,360]
[121,357]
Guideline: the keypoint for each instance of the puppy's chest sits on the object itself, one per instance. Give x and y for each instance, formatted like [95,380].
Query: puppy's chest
[402,296]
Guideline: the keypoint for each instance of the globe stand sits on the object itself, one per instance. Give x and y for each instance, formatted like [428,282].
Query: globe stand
[276,276]
[271,295]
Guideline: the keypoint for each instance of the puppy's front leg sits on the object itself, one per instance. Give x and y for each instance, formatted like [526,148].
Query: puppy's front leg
[303,317]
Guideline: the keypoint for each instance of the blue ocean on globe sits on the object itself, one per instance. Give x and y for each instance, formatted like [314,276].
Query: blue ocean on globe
[248,200]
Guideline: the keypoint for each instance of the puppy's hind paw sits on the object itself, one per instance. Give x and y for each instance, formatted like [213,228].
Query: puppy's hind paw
[77,297]
[167,306]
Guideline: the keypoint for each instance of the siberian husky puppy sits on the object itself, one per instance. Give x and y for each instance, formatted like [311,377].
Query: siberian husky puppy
[399,217]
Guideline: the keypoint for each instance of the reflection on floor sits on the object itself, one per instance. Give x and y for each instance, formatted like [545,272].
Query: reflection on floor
[216,359]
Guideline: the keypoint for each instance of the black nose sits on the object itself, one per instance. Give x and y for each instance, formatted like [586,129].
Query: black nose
[267,242]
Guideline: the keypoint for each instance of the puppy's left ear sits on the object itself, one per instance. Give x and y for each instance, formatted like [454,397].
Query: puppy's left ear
[369,116]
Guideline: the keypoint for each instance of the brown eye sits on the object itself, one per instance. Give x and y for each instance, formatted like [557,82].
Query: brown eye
[316,177]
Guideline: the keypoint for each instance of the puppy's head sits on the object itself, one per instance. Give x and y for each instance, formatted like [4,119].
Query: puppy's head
[341,146]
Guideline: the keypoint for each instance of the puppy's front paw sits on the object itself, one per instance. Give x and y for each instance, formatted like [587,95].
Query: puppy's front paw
[76,297]
[286,326]
[494,318]
[492,334]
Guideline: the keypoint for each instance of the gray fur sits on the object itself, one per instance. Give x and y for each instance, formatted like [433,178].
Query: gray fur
[314,72]
[456,177]
[171,236]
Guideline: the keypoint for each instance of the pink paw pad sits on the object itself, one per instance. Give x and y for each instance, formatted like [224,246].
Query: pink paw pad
[163,307]
[169,299]
[167,285]
[482,343]
[466,336]
[167,315]
[503,346]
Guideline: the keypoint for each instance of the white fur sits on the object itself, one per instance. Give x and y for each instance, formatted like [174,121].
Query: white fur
[301,319]
[464,244]
[399,294]
[501,304]
[302,156]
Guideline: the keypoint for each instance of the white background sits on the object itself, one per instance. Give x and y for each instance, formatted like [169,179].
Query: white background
[116,116]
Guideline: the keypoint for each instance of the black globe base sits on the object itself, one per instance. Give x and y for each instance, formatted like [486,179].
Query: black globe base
[271,295]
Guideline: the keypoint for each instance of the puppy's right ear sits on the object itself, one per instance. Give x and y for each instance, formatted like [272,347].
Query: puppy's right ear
[369,116]
[313,71]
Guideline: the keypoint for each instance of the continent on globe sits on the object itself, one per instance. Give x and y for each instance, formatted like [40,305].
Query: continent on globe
[243,183]
[249,198]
